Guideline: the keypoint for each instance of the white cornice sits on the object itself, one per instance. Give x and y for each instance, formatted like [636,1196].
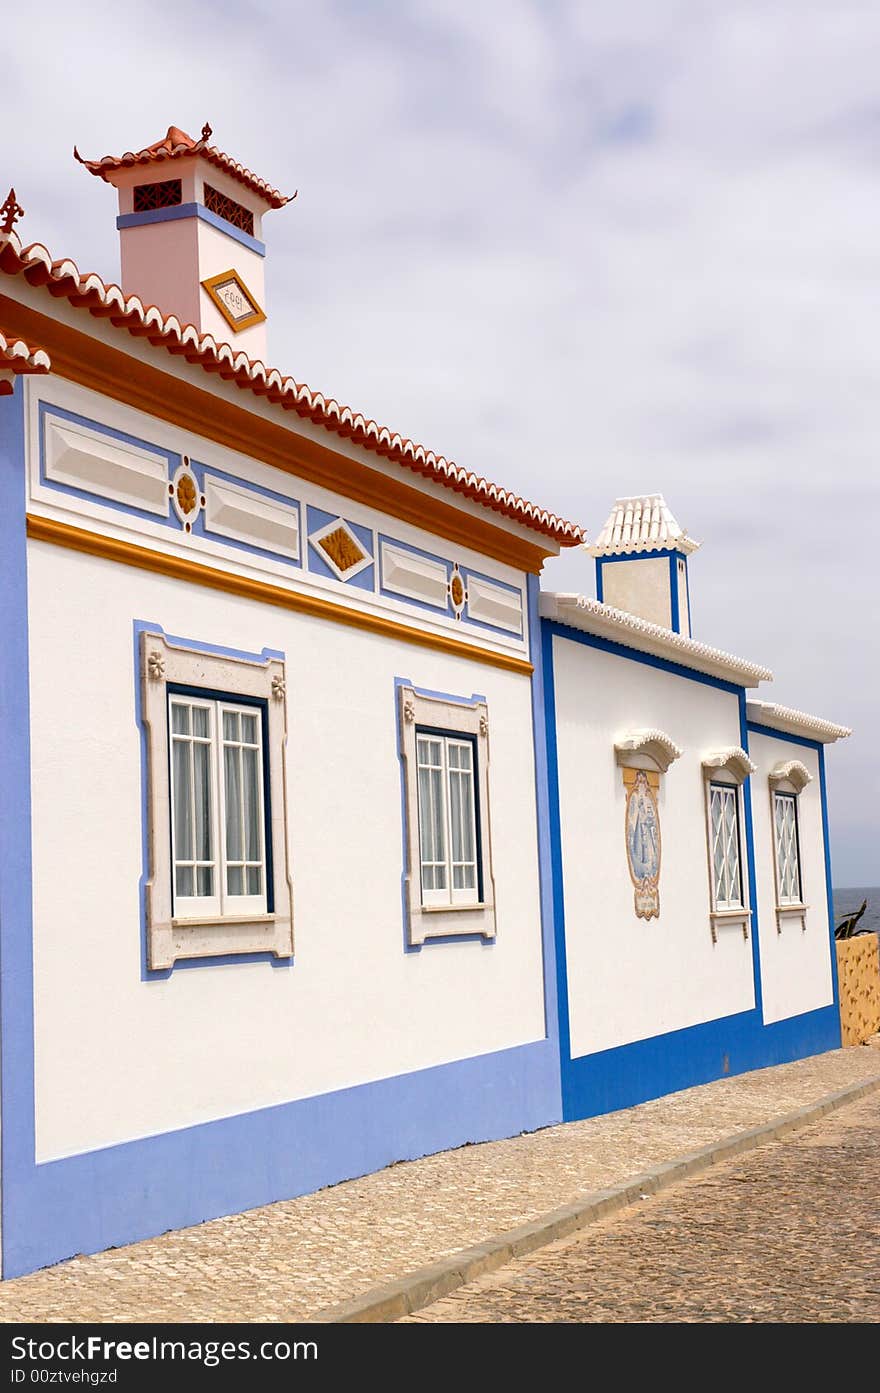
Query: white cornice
[785,718]
[793,772]
[656,744]
[733,759]
[593,617]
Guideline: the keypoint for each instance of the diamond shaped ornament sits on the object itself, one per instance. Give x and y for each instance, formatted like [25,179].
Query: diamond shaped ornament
[234,301]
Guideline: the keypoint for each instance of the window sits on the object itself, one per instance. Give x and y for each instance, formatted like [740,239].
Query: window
[444,747]
[447,819]
[217,813]
[788,779]
[788,859]
[725,771]
[215,733]
[725,857]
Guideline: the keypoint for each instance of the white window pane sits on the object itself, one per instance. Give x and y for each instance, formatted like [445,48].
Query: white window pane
[235,880]
[230,725]
[430,751]
[426,824]
[724,837]
[200,720]
[204,880]
[251,797]
[438,820]
[184,880]
[249,729]
[254,880]
[232,775]
[467,800]
[456,816]
[179,718]
[202,801]
[182,781]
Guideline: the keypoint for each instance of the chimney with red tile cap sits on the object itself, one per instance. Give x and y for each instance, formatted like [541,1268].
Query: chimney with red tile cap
[190,229]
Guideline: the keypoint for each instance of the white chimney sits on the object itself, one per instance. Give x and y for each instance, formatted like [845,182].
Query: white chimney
[641,562]
[190,231]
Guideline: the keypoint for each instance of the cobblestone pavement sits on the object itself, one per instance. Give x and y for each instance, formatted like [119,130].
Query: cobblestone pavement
[788,1233]
[288,1260]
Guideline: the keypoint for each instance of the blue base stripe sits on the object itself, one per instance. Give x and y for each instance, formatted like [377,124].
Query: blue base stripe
[101,1199]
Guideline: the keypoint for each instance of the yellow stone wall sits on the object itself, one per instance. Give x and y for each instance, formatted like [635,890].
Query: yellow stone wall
[858,973]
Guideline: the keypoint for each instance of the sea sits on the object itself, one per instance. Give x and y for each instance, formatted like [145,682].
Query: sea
[848,899]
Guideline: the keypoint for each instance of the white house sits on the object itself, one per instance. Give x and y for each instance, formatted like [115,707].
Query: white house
[325,838]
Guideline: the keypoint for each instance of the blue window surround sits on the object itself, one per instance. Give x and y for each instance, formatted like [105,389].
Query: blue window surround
[119,1194]
[140,626]
[404,818]
[191,210]
[674,557]
[628,1074]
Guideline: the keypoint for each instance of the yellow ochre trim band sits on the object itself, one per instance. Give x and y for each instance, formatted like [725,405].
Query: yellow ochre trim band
[127,554]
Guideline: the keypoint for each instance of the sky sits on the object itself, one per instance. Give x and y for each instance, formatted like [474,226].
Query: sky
[585,249]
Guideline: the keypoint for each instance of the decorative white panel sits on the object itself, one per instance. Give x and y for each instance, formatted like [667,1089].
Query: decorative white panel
[246,516]
[87,459]
[494,605]
[416,577]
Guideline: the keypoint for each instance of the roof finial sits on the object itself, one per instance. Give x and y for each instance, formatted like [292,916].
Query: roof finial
[10,212]
[206,132]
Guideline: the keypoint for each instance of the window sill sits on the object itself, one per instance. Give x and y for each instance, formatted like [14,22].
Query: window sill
[218,920]
[791,911]
[723,918]
[446,921]
[217,938]
[452,908]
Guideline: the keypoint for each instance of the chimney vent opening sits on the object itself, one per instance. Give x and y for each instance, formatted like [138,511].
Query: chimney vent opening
[166,194]
[229,210]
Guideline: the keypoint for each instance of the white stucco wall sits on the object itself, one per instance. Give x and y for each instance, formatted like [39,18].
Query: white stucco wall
[641,587]
[796,957]
[628,978]
[118,1057]
[681,580]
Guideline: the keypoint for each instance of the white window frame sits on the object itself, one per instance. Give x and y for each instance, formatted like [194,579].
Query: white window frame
[217,925]
[436,913]
[727,769]
[788,778]
[787,905]
[449,895]
[223,903]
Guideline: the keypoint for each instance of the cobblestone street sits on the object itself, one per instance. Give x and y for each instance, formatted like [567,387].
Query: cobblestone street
[290,1260]
[789,1233]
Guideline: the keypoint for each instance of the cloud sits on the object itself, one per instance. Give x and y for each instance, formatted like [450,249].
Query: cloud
[584,249]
